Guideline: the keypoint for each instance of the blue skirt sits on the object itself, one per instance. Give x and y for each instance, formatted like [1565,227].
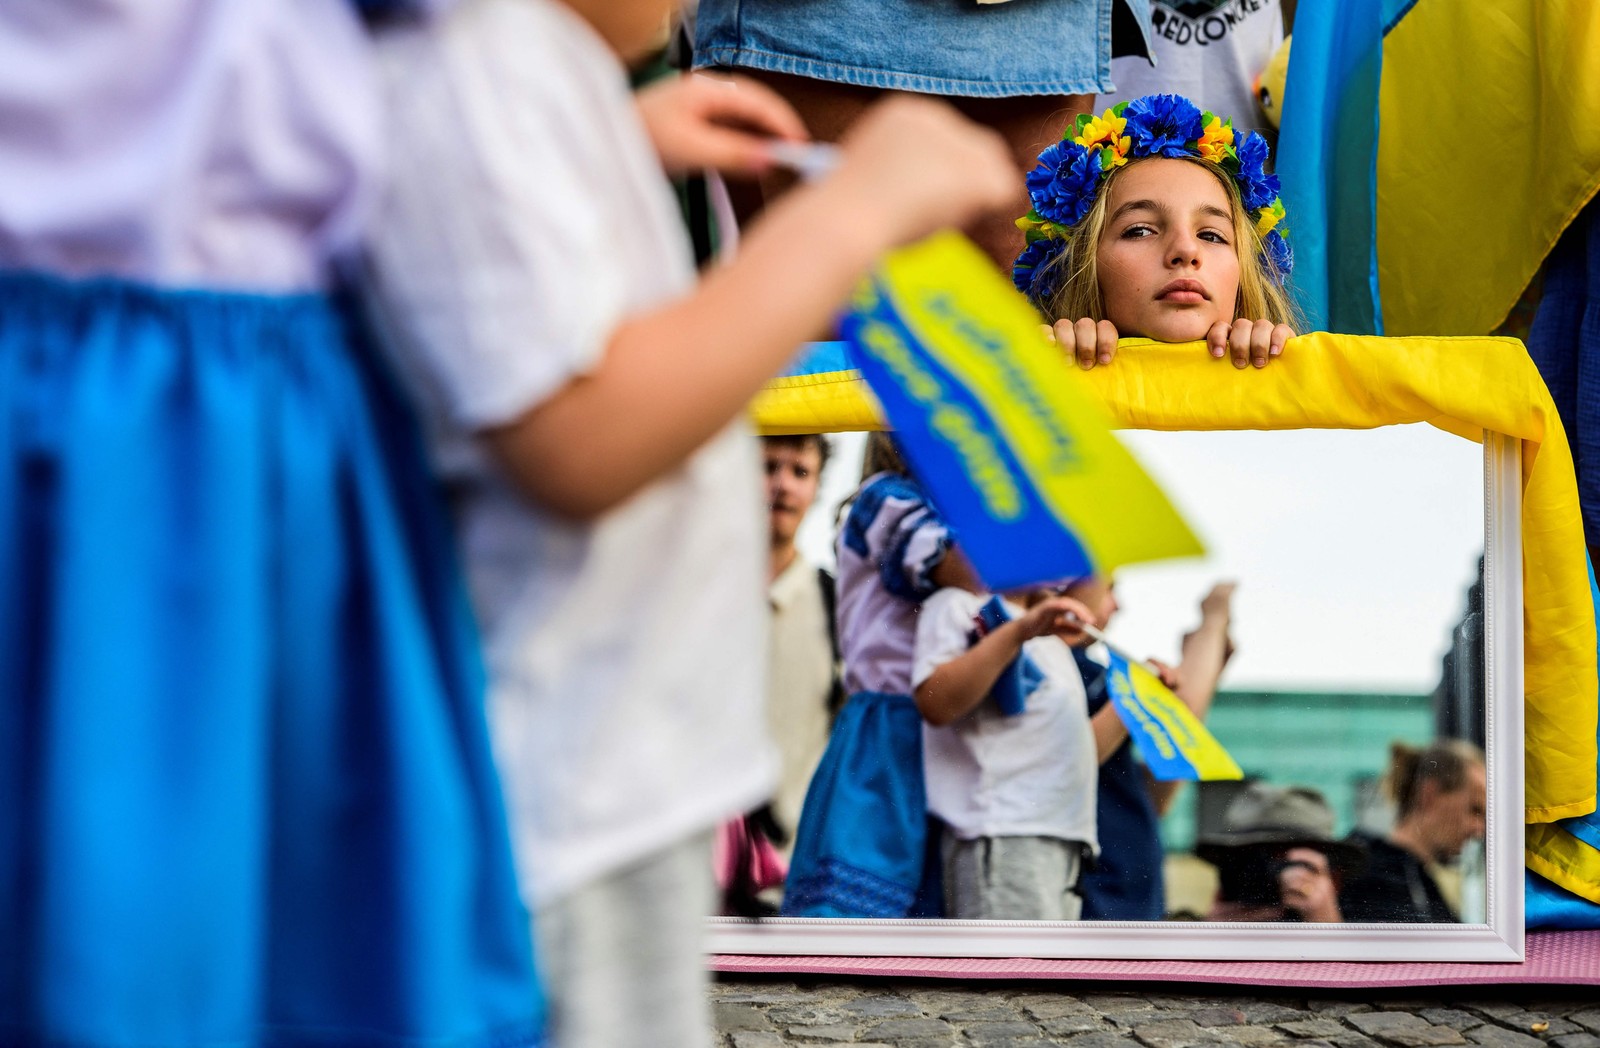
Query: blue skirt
[246,796]
[861,848]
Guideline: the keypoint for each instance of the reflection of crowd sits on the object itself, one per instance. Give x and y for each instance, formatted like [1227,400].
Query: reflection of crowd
[1439,793]
[1278,859]
[1016,791]
[1013,789]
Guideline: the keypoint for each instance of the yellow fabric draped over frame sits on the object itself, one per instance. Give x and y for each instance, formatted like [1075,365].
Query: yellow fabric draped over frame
[1462,385]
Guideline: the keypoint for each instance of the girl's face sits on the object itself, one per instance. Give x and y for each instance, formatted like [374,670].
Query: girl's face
[1169,268]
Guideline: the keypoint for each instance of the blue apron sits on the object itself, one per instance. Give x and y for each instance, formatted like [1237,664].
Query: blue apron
[861,846]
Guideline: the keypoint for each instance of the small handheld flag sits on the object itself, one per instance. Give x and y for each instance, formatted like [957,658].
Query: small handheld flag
[1172,740]
[1017,455]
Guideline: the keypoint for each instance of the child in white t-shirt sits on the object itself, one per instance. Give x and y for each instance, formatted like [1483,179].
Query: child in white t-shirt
[581,384]
[1009,755]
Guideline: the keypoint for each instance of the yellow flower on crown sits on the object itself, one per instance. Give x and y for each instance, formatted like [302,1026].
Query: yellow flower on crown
[1215,141]
[1106,130]
[1269,217]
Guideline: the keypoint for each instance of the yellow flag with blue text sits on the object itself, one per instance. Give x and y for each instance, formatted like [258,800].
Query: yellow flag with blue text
[1171,739]
[1016,454]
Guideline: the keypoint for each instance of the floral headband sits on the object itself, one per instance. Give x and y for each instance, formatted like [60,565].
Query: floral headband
[1070,173]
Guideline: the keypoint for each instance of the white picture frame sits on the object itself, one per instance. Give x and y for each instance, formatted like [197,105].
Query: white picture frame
[1499,939]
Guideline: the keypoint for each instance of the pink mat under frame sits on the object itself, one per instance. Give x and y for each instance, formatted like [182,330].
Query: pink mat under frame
[1560,958]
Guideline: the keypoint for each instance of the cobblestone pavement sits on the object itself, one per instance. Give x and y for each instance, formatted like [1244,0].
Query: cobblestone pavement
[765,1012]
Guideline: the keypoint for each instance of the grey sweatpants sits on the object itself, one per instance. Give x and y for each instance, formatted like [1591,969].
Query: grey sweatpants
[622,958]
[1012,878]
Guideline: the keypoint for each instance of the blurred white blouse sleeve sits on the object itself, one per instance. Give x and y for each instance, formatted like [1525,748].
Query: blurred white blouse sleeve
[527,214]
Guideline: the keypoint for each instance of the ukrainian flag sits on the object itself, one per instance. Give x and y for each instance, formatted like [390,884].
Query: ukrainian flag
[1171,739]
[1017,455]
[1432,152]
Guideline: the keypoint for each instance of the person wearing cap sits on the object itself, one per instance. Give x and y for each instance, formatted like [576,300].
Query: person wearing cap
[1277,858]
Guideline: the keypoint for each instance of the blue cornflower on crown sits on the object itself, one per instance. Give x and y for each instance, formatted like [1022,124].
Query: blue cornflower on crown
[1070,174]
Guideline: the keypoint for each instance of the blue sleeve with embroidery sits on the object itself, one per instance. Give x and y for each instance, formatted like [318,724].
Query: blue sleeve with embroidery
[893,524]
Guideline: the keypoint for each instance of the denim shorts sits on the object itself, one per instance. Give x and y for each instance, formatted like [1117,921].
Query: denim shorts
[940,47]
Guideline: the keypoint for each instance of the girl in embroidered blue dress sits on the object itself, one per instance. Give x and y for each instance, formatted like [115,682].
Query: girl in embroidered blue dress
[245,789]
[860,844]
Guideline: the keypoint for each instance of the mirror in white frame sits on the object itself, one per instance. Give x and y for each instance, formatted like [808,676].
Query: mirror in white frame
[1364,624]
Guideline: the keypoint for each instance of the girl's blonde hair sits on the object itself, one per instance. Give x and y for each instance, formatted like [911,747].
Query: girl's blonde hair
[1260,296]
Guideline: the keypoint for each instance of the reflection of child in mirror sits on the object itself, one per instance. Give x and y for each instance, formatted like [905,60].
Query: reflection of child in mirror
[859,848]
[1157,220]
[1127,884]
[536,273]
[1009,757]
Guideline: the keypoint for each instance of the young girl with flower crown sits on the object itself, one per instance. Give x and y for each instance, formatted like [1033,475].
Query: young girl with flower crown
[1158,220]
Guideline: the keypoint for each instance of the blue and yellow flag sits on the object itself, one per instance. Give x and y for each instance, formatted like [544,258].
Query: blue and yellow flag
[1171,739]
[1432,152]
[1017,455]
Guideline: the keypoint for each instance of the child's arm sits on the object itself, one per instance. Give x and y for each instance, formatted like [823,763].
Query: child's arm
[672,377]
[723,123]
[955,571]
[955,688]
[1205,652]
[1109,732]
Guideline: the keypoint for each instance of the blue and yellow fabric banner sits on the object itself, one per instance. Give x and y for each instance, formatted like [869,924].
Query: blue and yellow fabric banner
[1431,153]
[821,392]
[1171,739]
[1017,455]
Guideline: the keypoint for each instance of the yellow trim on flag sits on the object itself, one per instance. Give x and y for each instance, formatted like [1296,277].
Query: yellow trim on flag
[824,402]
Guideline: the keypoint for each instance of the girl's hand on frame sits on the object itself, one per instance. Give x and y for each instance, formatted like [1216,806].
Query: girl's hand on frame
[1061,616]
[1090,342]
[1248,341]
[723,123]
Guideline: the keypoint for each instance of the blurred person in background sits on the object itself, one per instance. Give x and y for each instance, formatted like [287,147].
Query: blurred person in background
[1277,858]
[1439,793]
[1126,884]
[803,689]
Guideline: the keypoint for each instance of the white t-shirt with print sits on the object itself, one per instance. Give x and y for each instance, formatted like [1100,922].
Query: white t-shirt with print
[1209,51]
[989,775]
[626,656]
